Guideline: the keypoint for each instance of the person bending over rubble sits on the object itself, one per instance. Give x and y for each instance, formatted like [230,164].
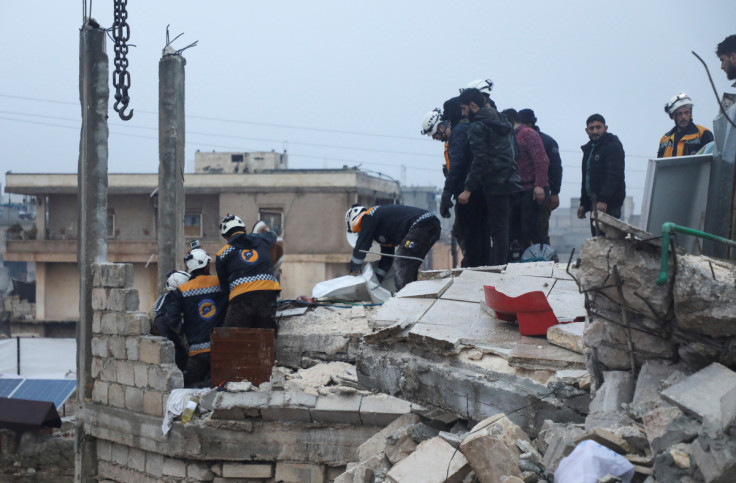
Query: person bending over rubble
[202,303]
[412,230]
[245,269]
[161,317]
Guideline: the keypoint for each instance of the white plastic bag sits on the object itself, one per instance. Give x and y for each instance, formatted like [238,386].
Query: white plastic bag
[175,405]
[590,461]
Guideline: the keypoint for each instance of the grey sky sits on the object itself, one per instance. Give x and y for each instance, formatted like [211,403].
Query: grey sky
[269,75]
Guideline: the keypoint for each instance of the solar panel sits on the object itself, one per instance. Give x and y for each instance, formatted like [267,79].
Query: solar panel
[7,386]
[56,391]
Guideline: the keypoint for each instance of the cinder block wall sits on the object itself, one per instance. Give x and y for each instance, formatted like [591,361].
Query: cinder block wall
[134,373]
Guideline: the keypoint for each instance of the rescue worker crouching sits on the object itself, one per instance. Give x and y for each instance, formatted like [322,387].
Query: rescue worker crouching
[245,271]
[163,321]
[413,231]
[203,303]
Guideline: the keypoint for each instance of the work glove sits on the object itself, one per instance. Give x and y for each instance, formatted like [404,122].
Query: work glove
[354,268]
[445,204]
[380,274]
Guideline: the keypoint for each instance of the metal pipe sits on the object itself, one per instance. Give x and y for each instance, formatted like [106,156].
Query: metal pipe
[667,228]
[393,256]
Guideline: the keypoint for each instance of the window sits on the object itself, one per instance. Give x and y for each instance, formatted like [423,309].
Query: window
[236,158]
[110,223]
[193,225]
[273,218]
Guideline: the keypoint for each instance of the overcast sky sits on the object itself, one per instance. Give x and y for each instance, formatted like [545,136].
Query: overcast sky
[348,83]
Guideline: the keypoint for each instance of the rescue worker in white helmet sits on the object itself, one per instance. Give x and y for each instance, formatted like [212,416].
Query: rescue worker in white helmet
[686,138]
[245,270]
[438,128]
[161,323]
[404,231]
[202,303]
[484,86]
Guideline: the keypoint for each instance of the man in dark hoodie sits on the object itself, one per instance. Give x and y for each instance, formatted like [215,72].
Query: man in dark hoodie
[471,218]
[245,270]
[493,170]
[603,186]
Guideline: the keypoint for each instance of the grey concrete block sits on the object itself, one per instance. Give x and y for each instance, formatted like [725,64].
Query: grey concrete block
[134,323]
[99,392]
[299,472]
[245,470]
[165,377]
[666,426]
[377,443]
[155,350]
[199,472]
[382,409]
[337,409]
[617,388]
[96,323]
[155,464]
[433,459]
[125,373]
[120,454]
[134,399]
[430,289]
[99,298]
[96,368]
[137,459]
[122,299]
[116,347]
[109,370]
[131,347]
[104,450]
[116,396]
[112,275]
[153,402]
[140,372]
[109,322]
[718,382]
[99,346]
[288,406]
[716,459]
[568,336]
[648,384]
[174,467]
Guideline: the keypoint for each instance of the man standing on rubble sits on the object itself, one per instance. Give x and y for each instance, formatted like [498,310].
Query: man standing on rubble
[202,304]
[471,226]
[404,231]
[533,166]
[493,170]
[245,270]
[686,138]
[603,187]
[554,174]
[726,52]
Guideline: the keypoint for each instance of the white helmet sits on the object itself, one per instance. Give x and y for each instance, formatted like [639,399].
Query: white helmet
[196,259]
[431,121]
[176,278]
[230,222]
[352,214]
[677,102]
[484,86]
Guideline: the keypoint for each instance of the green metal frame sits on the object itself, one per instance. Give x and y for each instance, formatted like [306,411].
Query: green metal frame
[667,229]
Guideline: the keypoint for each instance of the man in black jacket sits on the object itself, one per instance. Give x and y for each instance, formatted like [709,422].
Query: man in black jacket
[603,186]
[493,170]
[471,226]
[410,231]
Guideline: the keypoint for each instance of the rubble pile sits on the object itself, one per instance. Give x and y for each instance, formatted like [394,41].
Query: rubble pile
[660,357]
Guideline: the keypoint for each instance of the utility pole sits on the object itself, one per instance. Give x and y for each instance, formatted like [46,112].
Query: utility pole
[92,216]
[171,127]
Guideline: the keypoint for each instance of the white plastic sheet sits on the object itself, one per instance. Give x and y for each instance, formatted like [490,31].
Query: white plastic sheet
[364,287]
[175,405]
[39,357]
[590,461]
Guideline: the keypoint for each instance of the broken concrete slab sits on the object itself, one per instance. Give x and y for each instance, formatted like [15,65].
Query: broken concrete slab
[400,445]
[377,443]
[488,451]
[382,409]
[434,461]
[559,440]
[469,390]
[431,289]
[397,310]
[646,394]
[538,354]
[716,459]
[667,426]
[718,383]
[568,336]
[617,388]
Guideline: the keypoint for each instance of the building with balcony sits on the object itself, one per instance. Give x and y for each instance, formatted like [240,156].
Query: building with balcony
[306,207]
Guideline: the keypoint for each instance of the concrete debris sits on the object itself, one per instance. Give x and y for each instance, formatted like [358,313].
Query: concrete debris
[491,450]
[568,336]
[434,461]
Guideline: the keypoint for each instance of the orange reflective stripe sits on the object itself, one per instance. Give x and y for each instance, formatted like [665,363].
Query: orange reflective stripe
[253,286]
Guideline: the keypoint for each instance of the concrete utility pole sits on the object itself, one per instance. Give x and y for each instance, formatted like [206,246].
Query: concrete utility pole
[171,163]
[92,217]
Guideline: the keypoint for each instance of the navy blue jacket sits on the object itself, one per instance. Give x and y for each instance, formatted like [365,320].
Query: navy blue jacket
[460,157]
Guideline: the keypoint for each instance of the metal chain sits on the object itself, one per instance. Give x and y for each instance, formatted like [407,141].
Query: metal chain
[121,76]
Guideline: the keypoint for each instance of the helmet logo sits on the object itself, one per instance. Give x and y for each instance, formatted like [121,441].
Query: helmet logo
[207,309]
[249,256]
